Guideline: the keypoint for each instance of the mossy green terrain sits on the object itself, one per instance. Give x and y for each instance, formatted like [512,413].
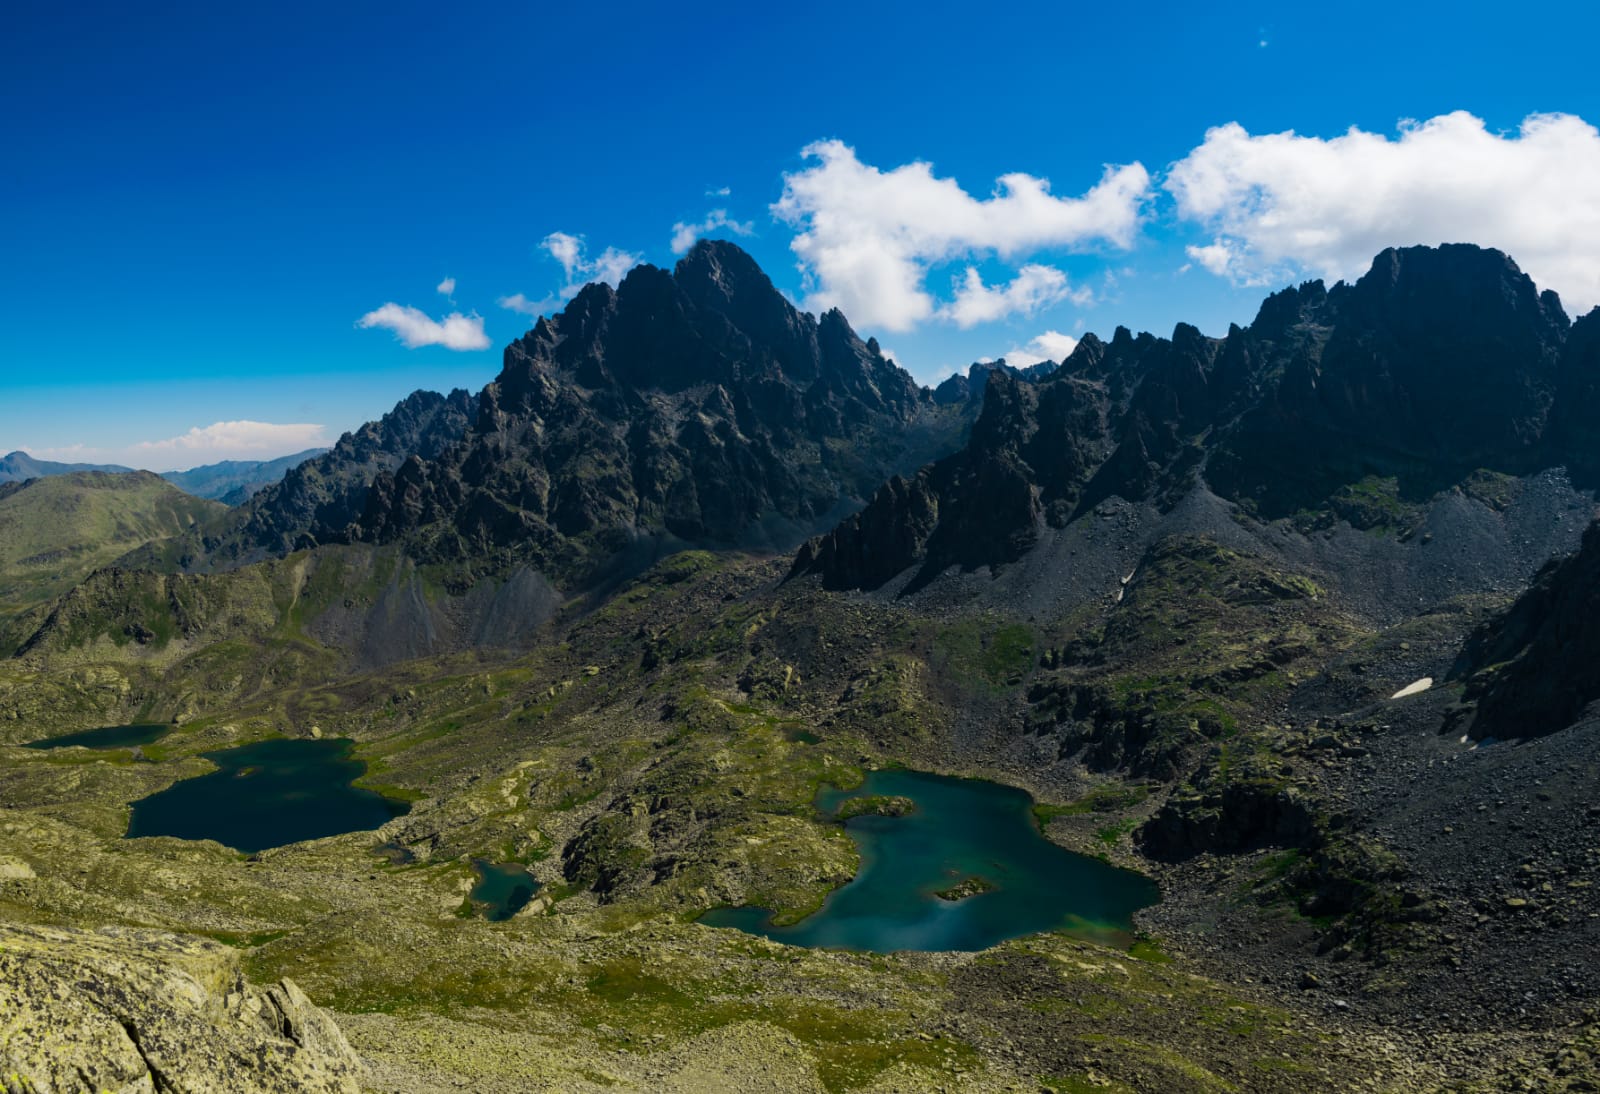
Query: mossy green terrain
[655,757]
[55,531]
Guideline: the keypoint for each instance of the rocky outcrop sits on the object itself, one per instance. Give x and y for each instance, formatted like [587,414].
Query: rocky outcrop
[695,406]
[1038,453]
[1575,419]
[320,499]
[961,388]
[1437,363]
[144,1011]
[1536,668]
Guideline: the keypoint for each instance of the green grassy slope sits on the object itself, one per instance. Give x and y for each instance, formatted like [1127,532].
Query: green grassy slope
[55,531]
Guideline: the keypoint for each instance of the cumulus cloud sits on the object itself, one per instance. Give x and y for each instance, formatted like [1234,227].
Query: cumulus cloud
[238,440]
[719,192]
[866,237]
[1280,204]
[577,269]
[569,251]
[1034,287]
[415,328]
[518,303]
[1052,345]
[684,235]
[252,439]
[447,287]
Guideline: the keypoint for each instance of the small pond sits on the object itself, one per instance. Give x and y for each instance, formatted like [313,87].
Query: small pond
[268,794]
[503,889]
[109,737]
[965,870]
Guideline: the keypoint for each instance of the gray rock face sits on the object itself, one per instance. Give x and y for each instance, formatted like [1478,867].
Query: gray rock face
[1437,363]
[696,404]
[319,499]
[1535,669]
[143,1012]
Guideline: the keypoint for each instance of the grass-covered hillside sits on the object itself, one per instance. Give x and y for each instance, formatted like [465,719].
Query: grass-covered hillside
[55,531]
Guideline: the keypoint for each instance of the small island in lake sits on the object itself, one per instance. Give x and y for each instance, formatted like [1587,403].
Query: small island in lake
[967,886]
[877,805]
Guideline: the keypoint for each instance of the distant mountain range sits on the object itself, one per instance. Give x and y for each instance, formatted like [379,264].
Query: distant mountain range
[19,467]
[231,482]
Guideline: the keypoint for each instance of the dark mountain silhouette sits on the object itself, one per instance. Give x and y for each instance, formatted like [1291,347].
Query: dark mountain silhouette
[1435,364]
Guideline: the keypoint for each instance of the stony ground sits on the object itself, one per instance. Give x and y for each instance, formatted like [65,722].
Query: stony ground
[1341,883]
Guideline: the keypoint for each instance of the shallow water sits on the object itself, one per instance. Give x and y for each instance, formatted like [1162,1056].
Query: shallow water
[503,889]
[961,829]
[109,737]
[267,794]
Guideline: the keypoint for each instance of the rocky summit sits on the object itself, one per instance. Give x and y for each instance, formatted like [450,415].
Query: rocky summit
[1294,625]
[1437,363]
[695,407]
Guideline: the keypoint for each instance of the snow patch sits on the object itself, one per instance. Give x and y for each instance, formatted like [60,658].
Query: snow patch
[1414,689]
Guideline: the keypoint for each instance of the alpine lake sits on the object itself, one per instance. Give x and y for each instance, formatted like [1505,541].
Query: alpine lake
[132,736]
[946,863]
[952,864]
[268,794]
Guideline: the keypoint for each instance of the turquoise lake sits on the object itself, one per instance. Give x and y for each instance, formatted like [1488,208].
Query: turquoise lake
[109,737]
[268,794]
[961,829]
[502,890]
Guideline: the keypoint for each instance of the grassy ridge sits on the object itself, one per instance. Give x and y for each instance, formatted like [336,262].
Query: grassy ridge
[55,531]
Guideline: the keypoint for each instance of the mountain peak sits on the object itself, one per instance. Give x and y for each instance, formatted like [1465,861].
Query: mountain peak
[1470,281]
[720,263]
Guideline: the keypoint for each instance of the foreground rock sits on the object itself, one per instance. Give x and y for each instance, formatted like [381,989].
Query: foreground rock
[144,1011]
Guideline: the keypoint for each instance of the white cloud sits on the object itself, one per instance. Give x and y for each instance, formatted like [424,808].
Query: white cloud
[577,269]
[518,303]
[1281,204]
[1034,287]
[238,440]
[719,192]
[415,328]
[565,249]
[867,237]
[447,287]
[569,251]
[612,266]
[1218,257]
[684,235]
[1052,345]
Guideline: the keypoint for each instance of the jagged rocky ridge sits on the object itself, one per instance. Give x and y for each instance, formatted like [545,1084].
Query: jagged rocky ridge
[696,406]
[1436,363]
[320,500]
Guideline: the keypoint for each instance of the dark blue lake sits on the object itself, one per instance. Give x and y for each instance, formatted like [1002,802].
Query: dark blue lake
[108,737]
[268,794]
[962,830]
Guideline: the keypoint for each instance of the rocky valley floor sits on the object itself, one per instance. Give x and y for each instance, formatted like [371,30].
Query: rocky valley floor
[1351,900]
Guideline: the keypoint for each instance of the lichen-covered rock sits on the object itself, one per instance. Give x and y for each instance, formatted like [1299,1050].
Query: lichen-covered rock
[138,1012]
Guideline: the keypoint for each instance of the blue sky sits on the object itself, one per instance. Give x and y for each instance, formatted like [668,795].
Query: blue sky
[204,201]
